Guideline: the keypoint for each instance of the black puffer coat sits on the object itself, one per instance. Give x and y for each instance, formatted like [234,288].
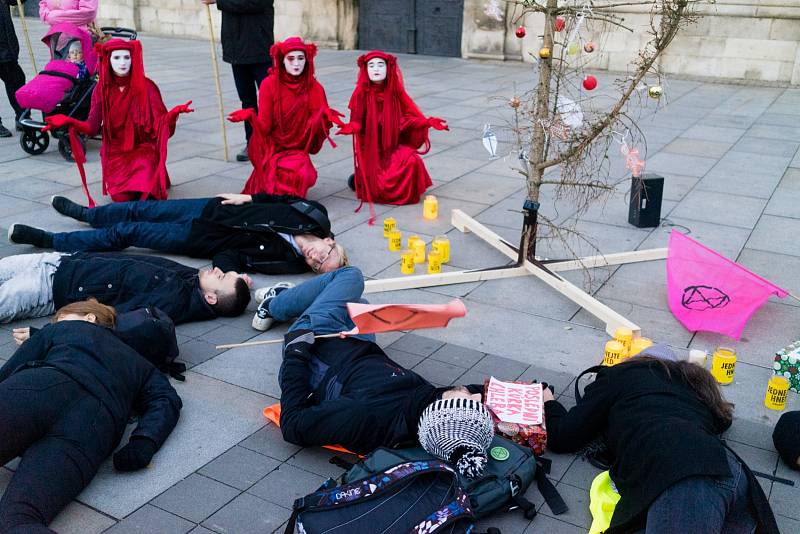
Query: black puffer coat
[246,30]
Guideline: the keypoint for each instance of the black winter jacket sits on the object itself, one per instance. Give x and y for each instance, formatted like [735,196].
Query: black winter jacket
[364,401]
[658,433]
[9,46]
[247,30]
[245,238]
[109,370]
[131,281]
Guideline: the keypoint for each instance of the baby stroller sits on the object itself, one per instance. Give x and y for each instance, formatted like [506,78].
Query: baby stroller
[64,86]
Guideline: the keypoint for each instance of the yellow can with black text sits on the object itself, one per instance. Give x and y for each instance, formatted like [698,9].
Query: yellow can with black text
[777,391]
[723,365]
[434,262]
[395,240]
[614,353]
[389,225]
[441,244]
[407,262]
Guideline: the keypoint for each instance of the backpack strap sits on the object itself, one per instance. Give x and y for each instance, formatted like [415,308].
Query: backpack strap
[458,508]
[313,213]
[550,493]
[176,370]
[592,369]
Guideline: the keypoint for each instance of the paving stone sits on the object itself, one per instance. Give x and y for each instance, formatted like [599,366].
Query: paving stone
[195,498]
[786,524]
[239,467]
[439,373]
[151,520]
[770,147]
[285,484]
[79,519]
[317,460]
[200,530]
[500,367]
[197,351]
[720,208]
[402,358]
[456,355]
[255,368]
[560,380]
[580,474]
[714,133]
[696,147]
[480,188]
[248,514]
[269,442]
[416,344]
[578,501]
[680,164]
[543,523]
[776,234]
[779,269]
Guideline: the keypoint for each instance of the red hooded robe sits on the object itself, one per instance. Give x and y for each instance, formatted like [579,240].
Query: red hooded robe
[390,134]
[292,123]
[135,127]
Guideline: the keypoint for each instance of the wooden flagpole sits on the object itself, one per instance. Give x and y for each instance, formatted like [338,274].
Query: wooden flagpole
[215,66]
[27,35]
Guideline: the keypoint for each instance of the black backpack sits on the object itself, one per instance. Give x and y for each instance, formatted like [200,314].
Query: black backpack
[501,487]
[151,333]
[418,497]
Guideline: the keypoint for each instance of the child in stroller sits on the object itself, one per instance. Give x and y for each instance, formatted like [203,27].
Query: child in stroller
[64,86]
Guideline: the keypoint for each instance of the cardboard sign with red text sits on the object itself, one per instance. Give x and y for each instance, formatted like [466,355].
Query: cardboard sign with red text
[513,402]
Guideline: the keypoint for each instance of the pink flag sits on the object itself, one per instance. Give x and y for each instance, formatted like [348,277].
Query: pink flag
[709,292]
[374,318]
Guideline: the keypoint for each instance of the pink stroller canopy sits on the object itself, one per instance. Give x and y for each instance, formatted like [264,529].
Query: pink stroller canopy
[61,35]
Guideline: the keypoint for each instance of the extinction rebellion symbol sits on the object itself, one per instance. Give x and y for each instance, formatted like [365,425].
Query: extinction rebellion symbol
[703,298]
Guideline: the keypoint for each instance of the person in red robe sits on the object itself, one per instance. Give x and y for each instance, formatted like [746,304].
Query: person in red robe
[128,109]
[390,134]
[293,122]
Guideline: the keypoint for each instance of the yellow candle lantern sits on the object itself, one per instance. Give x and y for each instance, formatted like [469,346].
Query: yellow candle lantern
[407,262]
[395,240]
[389,225]
[430,207]
[441,244]
[777,391]
[639,344]
[723,365]
[625,336]
[419,251]
[614,353]
[434,262]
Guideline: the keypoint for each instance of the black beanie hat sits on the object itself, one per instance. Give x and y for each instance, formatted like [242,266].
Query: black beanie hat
[786,438]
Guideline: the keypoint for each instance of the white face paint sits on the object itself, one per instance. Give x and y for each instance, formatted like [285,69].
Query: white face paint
[376,70]
[121,62]
[295,62]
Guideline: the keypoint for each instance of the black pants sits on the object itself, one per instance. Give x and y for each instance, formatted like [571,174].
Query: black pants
[63,435]
[13,78]
[248,78]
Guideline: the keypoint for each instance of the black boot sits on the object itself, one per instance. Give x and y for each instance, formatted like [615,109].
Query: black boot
[351,182]
[4,132]
[242,155]
[28,235]
[65,206]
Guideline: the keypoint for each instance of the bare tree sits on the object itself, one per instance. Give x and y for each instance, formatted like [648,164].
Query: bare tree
[554,128]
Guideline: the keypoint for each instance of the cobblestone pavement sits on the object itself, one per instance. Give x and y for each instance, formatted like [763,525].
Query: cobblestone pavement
[730,157]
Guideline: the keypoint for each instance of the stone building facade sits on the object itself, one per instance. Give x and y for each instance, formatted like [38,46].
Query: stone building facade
[755,40]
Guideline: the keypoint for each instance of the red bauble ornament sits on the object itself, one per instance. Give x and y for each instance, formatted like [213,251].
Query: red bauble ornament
[560,24]
[520,32]
[589,82]
[588,47]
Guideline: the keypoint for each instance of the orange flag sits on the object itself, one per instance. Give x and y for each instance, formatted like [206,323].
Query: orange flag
[375,318]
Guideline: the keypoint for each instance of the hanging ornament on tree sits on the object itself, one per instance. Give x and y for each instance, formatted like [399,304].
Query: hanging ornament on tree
[490,141]
[520,32]
[655,91]
[589,82]
[559,24]
[544,52]
[514,102]
[570,112]
[588,47]
[573,49]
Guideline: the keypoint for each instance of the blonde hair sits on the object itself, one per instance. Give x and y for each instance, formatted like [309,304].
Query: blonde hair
[344,261]
[105,315]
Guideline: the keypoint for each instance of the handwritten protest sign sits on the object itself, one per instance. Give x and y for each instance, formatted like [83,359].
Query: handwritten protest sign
[516,403]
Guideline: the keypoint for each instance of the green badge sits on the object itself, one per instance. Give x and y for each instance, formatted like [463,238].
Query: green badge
[499,453]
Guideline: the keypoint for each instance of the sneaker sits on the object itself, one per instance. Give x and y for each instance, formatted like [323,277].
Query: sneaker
[262,320]
[4,132]
[351,182]
[242,155]
[28,235]
[65,206]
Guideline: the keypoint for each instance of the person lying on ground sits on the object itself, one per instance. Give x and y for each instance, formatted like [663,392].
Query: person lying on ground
[786,438]
[244,233]
[34,285]
[65,399]
[347,391]
[661,419]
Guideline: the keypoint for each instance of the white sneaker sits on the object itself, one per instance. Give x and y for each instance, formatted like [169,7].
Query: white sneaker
[262,320]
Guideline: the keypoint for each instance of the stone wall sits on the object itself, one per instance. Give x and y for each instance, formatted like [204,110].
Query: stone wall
[755,40]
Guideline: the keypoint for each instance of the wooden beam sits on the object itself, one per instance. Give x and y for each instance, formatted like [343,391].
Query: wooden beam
[619,258]
[442,279]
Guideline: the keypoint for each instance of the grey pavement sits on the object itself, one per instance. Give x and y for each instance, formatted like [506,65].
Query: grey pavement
[730,157]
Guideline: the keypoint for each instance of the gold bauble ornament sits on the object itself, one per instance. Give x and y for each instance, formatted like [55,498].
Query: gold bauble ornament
[514,102]
[544,52]
[655,91]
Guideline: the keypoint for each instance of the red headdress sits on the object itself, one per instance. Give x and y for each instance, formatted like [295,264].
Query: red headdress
[397,104]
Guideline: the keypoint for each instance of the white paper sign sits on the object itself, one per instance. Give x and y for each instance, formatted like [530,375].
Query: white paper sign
[515,403]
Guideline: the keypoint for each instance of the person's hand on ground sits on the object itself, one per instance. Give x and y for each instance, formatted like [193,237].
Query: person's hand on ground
[135,455]
[235,199]
[547,395]
[21,335]
[241,115]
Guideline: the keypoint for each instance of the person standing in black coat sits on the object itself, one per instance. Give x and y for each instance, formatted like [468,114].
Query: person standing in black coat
[247,35]
[10,71]
[661,420]
[65,399]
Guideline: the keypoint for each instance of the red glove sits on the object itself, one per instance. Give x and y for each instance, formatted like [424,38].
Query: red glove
[333,116]
[351,128]
[182,108]
[55,122]
[241,115]
[438,124]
